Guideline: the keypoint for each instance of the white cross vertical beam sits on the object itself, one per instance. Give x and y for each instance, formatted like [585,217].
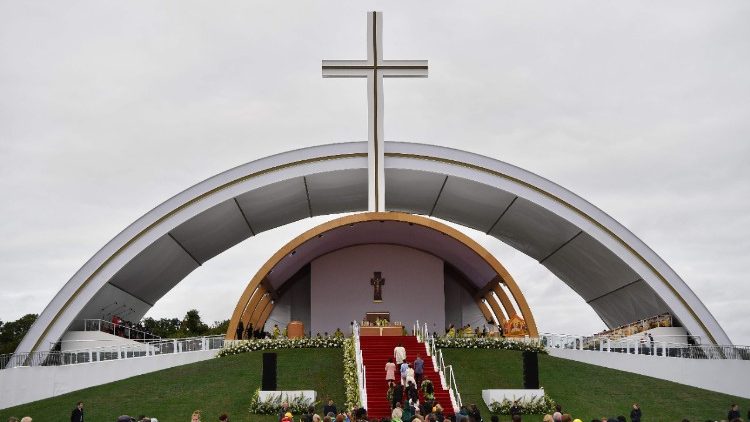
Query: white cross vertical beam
[374,68]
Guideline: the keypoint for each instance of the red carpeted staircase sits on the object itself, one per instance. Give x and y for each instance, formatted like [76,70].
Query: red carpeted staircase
[375,354]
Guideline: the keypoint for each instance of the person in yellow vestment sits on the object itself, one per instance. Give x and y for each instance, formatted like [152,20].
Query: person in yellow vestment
[451,331]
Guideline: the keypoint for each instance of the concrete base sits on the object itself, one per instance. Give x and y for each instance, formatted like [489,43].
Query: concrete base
[26,384]
[288,395]
[490,396]
[722,375]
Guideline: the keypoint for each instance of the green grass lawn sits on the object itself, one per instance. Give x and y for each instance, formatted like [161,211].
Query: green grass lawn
[586,391]
[213,386]
[226,385]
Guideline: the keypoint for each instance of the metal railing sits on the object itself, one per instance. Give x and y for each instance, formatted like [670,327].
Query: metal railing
[361,374]
[105,353]
[421,332]
[120,330]
[638,346]
[447,378]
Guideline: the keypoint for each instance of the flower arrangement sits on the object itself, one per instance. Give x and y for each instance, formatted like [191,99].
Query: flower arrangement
[533,406]
[351,383]
[272,405]
[488,343]
[280,343]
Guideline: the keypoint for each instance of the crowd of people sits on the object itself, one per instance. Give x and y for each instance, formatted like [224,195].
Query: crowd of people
[359,414]
[468,413]
[627,330]
[399,413]
[468,331]
[248,333]
[127,329]
[330,413]
[403,393]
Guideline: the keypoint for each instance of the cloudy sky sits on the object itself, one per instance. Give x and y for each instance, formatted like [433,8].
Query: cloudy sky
[109,108]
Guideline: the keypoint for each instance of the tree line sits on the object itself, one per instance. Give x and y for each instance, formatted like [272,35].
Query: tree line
[191,325]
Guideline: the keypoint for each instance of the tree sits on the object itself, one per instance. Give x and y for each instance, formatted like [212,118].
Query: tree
[164,327]
[219,327]
[192,325]
[11,333]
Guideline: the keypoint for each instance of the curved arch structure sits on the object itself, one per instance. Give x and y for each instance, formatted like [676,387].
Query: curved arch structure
[482,273]
[620,277]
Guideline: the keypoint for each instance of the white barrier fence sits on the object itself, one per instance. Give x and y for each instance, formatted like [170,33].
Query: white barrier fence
[644,346]
[361,375]
[116,352]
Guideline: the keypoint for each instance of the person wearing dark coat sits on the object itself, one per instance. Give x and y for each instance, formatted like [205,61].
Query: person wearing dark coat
[474,413]
[412,393]
[398,395]
[734,413]
[329,408]
[635,414]
[239,331]
[77,414]
[515,408]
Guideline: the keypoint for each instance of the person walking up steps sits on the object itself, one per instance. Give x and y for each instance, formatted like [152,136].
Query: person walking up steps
[418,370]
[390,371]
[399,353]
[398,395]
[410,375]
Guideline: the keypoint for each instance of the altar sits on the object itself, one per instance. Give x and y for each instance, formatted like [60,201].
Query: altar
[378,324]
[388,330]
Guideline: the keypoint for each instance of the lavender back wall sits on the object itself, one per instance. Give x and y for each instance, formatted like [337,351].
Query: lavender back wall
[340,290]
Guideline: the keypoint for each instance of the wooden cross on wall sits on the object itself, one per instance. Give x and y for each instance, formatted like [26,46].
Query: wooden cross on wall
[377,283]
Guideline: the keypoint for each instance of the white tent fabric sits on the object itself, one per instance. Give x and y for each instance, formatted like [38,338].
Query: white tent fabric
[617,274]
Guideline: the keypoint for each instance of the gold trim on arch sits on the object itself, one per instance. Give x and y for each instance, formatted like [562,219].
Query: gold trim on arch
[241,309]
[486,312]
[507,305]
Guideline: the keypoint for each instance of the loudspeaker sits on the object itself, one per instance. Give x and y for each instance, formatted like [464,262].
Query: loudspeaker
[269,372]
[530,370]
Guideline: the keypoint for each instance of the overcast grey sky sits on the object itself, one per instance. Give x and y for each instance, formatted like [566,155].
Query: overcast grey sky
[109,108]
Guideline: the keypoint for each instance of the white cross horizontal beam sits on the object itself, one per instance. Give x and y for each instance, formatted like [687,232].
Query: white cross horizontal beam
[374,68]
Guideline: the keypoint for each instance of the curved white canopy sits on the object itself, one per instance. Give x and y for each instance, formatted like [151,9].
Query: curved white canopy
[618,275]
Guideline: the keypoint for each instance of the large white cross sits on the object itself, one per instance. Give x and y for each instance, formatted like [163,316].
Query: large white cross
[375,69]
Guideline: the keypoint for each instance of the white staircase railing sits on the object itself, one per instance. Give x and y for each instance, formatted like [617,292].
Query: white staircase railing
[361,374]
[421,332]
[447,377]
